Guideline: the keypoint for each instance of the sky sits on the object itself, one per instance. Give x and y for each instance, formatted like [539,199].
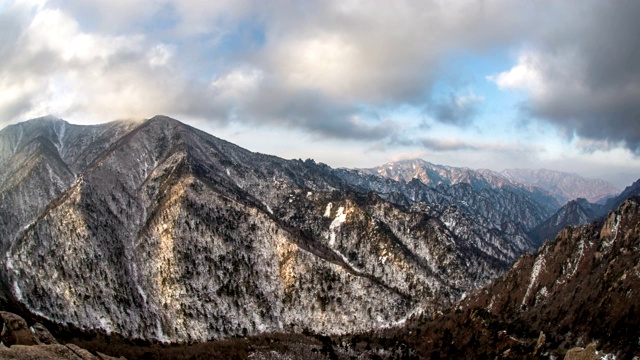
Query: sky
[483,84]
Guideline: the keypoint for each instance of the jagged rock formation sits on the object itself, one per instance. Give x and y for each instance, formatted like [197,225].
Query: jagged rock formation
[433,175]
[564,186]
[444,178]
[187,237]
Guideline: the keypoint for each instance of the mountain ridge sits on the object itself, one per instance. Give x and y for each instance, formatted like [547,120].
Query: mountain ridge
[561,185]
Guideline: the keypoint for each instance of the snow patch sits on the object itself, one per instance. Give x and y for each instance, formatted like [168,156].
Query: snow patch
[228,172]
[105,325]
[615,227]
[580,254]
[327,211]
[336,223]
[535,272]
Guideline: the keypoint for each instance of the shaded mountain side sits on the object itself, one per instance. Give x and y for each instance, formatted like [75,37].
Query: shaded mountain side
[189,237]
[574,213]
[40,159]
[629,191]
[579,212]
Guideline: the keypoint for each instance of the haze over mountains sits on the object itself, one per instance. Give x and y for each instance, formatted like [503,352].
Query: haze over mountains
[191,238]
[562,186]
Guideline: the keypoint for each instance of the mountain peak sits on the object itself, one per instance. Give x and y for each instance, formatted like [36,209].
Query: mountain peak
[164,118]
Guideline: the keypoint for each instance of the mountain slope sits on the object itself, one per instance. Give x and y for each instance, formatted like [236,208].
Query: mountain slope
[574,213]
[579,212]
[189,237]
[564,186]
[582,289]
[526,206]
[589,276]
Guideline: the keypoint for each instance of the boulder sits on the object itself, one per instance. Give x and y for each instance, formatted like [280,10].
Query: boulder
[42,334]
[15,330]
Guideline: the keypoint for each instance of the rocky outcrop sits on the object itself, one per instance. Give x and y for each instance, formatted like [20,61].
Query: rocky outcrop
[23,342]
[50,352]
[15,330]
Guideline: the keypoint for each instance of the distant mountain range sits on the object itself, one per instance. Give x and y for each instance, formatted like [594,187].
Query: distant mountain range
[187,237]
[563,186]
[579,212]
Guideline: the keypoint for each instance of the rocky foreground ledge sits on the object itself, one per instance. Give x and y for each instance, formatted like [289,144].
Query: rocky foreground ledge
[20,341]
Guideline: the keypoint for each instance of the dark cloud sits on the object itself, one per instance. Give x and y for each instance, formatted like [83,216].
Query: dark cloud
[587,73]
[456,109]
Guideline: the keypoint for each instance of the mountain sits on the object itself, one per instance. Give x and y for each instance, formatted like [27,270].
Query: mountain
[575,212]
[582,290]
[485,181]
[575,298]
[564,186]
[583,287]
[629,191]
[433,175]
[579,212]
[187,237]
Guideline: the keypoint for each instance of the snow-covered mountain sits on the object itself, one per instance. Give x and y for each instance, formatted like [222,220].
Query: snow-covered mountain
[564,186]
[575,298]
[544,185]
[156,230]
[432,174]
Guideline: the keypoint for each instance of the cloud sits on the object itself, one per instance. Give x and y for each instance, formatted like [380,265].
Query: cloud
[456,109]
[446,144]
[53,66]
[583,75]
[329,68]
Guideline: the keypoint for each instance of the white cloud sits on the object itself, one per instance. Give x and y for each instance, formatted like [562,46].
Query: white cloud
[525,75]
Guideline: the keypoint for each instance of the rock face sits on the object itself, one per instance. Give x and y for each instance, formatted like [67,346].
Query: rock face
[564,186]
[159,231]
[585,284]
